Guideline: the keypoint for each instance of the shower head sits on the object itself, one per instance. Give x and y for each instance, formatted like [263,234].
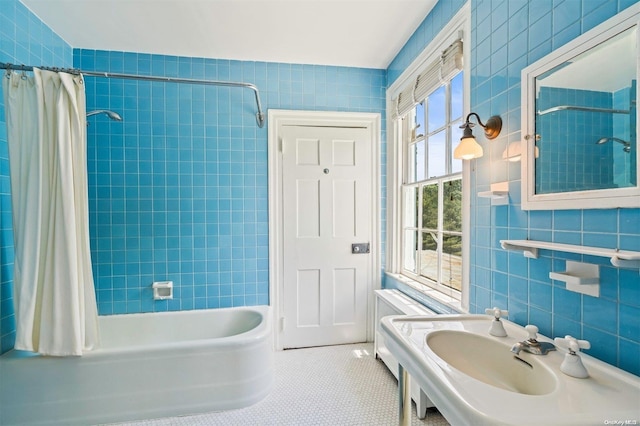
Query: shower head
[112,115]
[627,145]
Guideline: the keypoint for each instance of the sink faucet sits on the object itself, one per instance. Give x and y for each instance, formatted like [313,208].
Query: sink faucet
[532,345]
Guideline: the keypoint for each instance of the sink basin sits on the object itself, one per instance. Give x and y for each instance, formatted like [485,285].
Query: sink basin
[474,379]
[491,362]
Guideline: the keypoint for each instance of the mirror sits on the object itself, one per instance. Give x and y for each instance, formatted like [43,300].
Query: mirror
[583,112]
[580,121]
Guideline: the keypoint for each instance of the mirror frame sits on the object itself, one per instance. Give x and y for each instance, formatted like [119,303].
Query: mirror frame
[589,199]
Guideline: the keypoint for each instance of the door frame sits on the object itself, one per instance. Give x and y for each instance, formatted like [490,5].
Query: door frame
[276,120]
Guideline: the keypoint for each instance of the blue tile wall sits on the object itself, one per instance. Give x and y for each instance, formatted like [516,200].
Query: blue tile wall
[24,39]
[178,189]
[535,29]
[506,37]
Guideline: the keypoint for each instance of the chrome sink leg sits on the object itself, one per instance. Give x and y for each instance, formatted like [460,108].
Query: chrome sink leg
[404,397]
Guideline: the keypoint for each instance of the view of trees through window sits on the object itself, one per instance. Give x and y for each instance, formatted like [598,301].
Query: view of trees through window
[451,267]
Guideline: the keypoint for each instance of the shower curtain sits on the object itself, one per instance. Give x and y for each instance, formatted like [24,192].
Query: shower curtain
[54,296]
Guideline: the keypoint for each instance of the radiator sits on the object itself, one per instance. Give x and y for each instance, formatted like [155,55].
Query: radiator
[393,302]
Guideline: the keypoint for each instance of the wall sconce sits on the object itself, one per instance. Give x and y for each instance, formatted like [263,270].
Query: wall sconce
[468,148]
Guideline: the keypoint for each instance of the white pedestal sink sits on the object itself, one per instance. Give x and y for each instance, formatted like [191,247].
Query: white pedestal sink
[474,379]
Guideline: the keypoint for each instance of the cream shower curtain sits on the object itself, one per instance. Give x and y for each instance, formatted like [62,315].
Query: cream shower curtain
[54,296]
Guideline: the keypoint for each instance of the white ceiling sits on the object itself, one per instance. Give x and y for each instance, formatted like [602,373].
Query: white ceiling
[354,33]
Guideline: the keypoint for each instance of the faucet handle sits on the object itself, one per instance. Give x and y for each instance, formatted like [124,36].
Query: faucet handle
[572,364]
[496,312]
[497,328]
[533,331]
[574,345]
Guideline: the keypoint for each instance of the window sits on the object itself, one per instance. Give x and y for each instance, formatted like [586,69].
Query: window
[428,198]
[431,223]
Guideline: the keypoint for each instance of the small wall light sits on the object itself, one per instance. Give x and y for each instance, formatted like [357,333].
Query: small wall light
[468,148]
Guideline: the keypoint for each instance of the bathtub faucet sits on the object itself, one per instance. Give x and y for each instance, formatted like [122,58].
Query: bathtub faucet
[532,345]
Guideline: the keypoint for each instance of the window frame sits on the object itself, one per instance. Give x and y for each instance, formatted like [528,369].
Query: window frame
[397,163]
[408,142]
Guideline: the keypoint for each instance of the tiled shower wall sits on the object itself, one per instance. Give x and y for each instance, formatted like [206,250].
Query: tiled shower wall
[24,39]
[178,189]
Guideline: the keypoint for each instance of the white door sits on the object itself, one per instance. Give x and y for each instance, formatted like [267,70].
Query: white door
[326,179]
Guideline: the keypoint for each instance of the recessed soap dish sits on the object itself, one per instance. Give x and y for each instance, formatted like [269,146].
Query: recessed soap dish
[162,290]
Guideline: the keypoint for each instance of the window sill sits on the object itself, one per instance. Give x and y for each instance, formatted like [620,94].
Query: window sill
[431,298]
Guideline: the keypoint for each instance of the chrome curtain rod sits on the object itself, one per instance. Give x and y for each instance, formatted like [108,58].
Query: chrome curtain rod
[259,114]
[581,108]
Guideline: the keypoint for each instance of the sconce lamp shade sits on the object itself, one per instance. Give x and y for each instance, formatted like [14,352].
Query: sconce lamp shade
[468,148]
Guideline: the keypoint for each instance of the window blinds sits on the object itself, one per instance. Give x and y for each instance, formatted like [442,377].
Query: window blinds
[440,70]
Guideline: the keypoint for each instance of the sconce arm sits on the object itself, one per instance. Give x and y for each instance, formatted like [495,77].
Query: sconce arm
[467,122]
[492,127]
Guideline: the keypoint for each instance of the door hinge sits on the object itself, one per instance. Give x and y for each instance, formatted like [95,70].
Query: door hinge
[281,323]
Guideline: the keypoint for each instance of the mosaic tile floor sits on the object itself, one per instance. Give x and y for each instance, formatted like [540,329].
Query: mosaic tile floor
[333,386]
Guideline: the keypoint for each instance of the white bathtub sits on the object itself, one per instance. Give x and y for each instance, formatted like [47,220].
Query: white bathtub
[149,366]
